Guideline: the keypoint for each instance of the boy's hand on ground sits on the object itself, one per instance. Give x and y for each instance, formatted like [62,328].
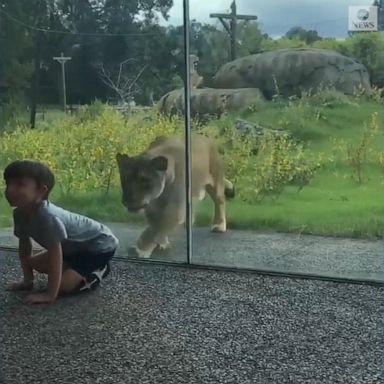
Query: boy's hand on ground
[39,298]
[20,286]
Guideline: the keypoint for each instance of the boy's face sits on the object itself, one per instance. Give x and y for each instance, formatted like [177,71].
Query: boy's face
[24,192]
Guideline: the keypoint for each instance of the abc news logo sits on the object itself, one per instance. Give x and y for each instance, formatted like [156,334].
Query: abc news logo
[362,18]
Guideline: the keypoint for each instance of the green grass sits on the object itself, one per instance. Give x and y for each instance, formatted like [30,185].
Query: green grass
[332,204]
[328,206]
[341,122]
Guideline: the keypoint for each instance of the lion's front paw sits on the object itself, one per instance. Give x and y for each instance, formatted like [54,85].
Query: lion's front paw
[164,245]
[137,252]
[219,228]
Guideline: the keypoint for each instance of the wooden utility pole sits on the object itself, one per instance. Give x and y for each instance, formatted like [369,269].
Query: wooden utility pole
[233,17]
[35,79]
[62,60]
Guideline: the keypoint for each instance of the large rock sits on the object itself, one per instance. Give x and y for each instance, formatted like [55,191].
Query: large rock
[209,101]
[245,129]
[290,71]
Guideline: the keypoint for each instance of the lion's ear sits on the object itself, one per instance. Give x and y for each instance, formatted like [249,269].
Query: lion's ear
[160,163]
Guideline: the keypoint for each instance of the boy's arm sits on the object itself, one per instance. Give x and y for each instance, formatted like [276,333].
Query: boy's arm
[25,254]
[55,265]
[55,232]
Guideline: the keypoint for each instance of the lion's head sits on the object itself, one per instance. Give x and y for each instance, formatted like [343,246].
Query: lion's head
[142,180]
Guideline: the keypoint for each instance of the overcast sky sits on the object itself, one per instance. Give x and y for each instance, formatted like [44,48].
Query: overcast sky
[329,17]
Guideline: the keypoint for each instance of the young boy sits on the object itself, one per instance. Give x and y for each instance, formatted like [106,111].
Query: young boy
[78,249]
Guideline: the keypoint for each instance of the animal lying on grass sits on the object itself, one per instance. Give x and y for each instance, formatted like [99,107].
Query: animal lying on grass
[154,182]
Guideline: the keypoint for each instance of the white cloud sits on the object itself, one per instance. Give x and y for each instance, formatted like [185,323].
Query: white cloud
[329,17]
[198,9]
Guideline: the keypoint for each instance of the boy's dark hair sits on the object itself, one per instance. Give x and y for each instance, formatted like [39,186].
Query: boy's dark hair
[33,169]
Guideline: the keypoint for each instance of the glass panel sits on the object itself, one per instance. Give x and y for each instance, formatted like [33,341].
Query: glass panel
[117,60]
[294,102]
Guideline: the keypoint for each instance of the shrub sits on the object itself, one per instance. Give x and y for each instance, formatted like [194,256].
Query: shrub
[262,167]
[367,48]
[327,97]
[357,154]
[81,150]
[13,113]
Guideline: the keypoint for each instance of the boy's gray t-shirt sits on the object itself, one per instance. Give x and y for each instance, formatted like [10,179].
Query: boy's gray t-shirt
[76,233]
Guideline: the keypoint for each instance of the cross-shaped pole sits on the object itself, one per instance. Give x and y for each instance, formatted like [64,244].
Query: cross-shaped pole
[231,28]
[380,5]
[62,60]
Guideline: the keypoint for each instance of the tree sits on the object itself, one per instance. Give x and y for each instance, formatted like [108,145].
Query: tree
[250,38]
[308,36]
[106,31]
[18,45]
[121,34]
[207,42]
[25,46]
[121,80]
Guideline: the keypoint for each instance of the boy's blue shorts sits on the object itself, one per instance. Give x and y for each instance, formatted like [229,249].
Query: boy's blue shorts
[86,263]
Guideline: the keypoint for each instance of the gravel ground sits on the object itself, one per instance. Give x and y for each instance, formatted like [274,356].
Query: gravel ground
[155,324]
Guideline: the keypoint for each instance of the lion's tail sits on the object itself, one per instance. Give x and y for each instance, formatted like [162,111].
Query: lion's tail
[229,190]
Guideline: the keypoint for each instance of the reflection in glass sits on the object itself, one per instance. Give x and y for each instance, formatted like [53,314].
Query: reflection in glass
[123,59]
[293,101]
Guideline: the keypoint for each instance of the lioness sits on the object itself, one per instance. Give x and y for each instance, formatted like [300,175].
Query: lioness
[154,182]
